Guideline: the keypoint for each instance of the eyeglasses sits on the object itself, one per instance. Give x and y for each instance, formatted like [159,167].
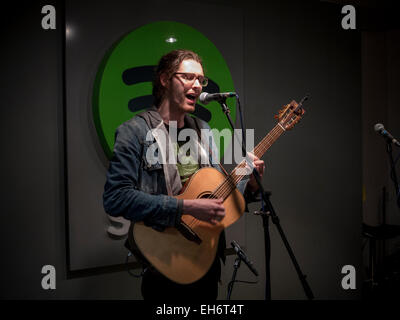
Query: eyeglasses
[188,77]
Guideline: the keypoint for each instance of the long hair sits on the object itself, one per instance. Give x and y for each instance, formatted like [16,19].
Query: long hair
[168,64]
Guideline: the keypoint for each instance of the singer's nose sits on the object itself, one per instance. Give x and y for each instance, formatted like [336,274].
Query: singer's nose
[197,84]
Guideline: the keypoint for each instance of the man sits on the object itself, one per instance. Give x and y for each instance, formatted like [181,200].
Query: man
[141,190]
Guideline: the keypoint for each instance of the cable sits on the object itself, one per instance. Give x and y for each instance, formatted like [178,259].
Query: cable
[230,284]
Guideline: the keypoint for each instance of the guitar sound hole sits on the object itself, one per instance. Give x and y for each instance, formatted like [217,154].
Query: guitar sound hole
[206,195]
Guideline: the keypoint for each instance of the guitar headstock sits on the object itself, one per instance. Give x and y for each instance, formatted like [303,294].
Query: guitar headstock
[290,114]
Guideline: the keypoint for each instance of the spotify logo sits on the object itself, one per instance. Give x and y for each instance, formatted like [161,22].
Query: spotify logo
[123,84]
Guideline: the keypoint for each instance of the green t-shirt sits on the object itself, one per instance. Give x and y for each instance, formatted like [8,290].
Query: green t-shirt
[186,163]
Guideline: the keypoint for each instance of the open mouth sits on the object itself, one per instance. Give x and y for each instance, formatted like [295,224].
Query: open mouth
[191,98]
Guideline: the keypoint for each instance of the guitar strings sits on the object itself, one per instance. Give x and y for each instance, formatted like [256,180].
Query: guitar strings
[230,182]
[261,147]
[227,186]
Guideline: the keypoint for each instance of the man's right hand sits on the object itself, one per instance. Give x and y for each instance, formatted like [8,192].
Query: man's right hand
[209,210]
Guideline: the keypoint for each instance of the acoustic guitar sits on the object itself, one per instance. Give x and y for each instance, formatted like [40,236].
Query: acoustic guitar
[185,253]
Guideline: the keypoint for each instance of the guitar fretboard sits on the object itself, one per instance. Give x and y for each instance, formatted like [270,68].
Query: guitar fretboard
[237,174]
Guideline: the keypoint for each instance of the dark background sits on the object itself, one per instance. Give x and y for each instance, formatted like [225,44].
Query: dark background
[316,172]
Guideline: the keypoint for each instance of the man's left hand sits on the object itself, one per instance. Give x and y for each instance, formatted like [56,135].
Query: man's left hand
[259,165]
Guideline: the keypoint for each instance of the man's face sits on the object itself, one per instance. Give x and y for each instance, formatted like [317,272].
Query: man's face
[183,89]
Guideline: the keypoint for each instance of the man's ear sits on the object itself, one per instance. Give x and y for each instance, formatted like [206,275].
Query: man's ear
[164,79]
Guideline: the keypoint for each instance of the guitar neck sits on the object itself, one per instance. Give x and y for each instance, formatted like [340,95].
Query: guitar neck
[239,172]
[268,140]
[259,150]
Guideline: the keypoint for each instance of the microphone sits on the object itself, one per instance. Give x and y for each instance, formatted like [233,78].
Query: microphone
[379,128]
[206,98]
[243,256]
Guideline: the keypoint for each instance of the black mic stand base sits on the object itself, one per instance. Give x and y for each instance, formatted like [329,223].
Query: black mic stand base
[270,212]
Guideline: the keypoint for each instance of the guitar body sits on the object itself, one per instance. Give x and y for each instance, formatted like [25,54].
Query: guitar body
[179,259]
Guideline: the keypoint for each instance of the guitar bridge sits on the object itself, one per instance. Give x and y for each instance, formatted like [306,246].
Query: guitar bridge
[188,233]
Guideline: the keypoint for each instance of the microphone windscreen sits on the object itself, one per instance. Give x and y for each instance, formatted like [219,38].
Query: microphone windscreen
[378,127]
[203,97]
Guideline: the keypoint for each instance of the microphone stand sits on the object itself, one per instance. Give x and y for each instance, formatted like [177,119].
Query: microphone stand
[267,245]
[393,173]
[236,266]
[275,219]
[241,256]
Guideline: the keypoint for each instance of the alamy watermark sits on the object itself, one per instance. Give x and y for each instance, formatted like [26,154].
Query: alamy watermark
[49,18]
[349,280]
[200,148]
[49,280]
[349,20]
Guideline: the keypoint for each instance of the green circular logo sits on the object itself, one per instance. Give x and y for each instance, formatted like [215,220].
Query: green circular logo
[123,85]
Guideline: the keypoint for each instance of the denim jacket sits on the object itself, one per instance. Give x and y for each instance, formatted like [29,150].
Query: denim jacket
[135,188]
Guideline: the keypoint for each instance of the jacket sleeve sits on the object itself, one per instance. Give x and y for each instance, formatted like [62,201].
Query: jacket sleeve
[121,195]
